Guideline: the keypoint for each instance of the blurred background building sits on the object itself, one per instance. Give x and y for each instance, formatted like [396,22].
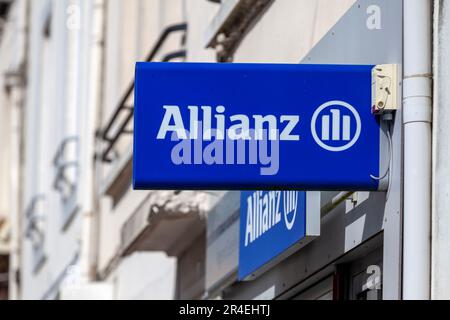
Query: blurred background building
[71,227]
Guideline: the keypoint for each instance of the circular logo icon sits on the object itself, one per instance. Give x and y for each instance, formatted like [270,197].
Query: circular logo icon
[336,126]
[290,199]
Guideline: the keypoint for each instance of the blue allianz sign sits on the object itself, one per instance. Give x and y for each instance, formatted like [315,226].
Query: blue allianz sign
[273,225]
[253,126]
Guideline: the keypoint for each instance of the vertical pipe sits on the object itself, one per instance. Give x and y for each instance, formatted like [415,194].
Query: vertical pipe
[417,103]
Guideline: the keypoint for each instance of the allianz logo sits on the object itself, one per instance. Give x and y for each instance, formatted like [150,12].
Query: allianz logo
[208,136]
[266,209]
[290,202]
[336,126]
[214,123]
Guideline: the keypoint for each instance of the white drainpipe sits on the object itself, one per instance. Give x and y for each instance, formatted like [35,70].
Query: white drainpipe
[94,13]
[417,115]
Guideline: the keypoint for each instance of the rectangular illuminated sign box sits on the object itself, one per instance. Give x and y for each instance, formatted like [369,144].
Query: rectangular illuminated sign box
[273,225]
[238,126]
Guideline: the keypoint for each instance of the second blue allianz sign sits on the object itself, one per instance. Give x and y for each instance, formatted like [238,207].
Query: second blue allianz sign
[253,126]
[273,225]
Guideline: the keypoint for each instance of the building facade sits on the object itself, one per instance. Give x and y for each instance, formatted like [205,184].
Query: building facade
[71,225]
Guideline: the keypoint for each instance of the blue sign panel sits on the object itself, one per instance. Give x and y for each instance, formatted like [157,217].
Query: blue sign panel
[253,126]
[273,225]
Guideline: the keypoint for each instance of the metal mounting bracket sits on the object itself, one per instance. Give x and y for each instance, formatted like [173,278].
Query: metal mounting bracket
[384,88]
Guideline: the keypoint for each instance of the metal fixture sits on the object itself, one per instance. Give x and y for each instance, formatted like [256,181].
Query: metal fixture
[124,113]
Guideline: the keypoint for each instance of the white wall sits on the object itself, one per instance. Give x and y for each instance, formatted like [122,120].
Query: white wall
[57,108]
[145,276]
[199,15]
[289,29]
